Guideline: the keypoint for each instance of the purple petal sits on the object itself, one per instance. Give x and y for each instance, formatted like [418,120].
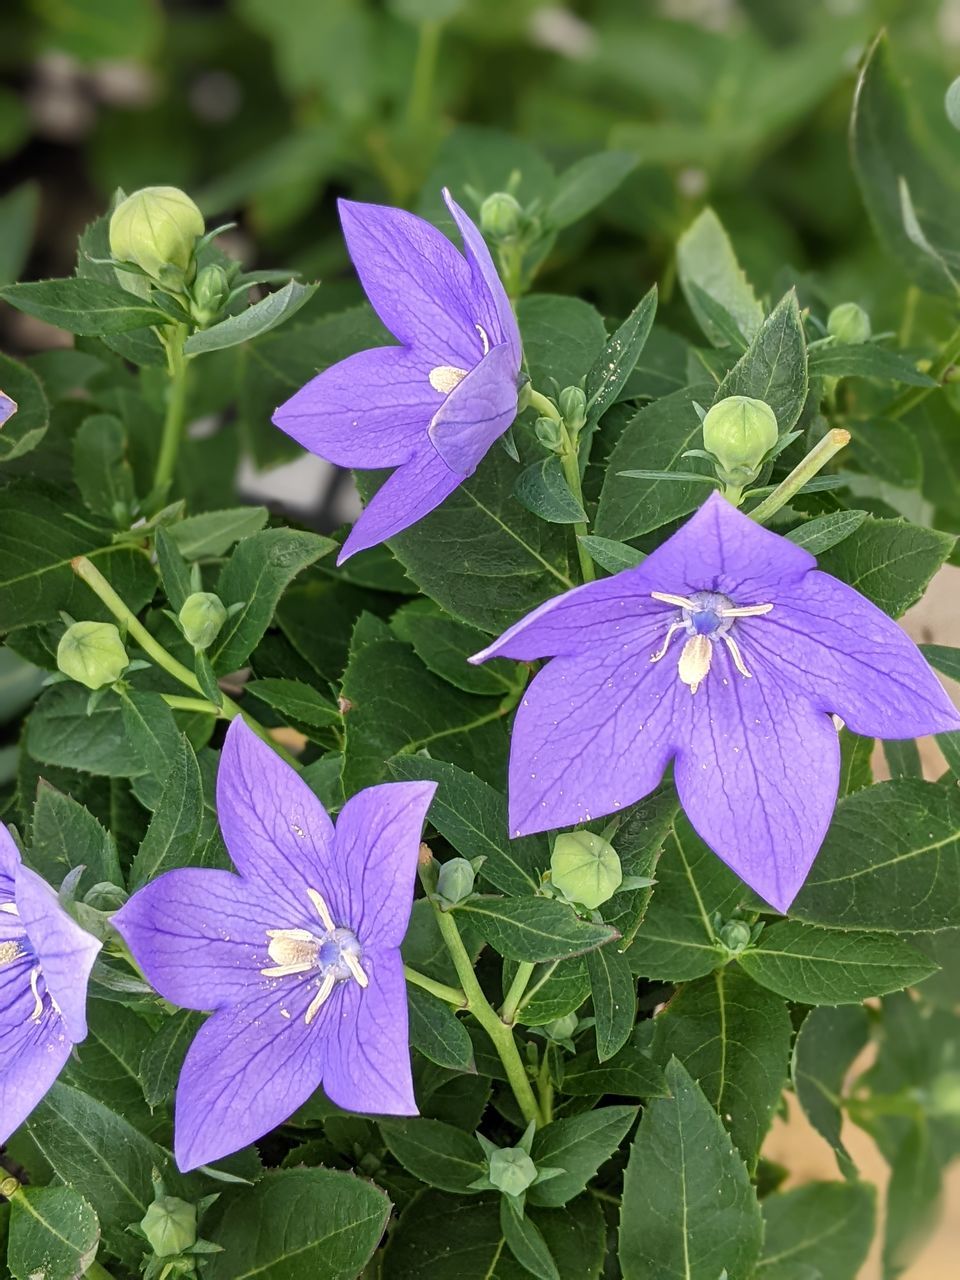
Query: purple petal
[200,936]
[9,862]
[476,412]
[32,1055]
[849,658]
[592,735]
[487,280]
[370,410]
[277,832]
[367,1052]
[406,497]
[8,407]
[65,952]
[419,285]
[249,1068]
[377,844]
[757,773]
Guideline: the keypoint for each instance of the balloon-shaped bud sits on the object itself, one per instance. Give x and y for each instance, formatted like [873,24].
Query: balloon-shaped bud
[849,323]
[501,216]
[92,653]
[561,1029]
[210,291]
[201,618]
[549,433]
[573,406]
[735,935]
[585,868]
[740,431]
[157,228]
[511,1171]
[456,880]
[170,1226]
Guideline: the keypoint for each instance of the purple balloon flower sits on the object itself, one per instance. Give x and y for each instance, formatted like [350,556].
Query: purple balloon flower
[726,651]
[298,955]
[433,406]
[45,963]
[8,407]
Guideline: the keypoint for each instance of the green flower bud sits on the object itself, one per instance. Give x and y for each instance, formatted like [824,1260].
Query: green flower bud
[170,1226]
[92,653]
[561,1028]
[157,228]
[585,868]
[945,1094]
[456,880]
[735,935]
[952,103]
[210,291]
[501,216]
[549,434]
[201,618]
[573,406]
[849,323]
[512,1171]
[740,432]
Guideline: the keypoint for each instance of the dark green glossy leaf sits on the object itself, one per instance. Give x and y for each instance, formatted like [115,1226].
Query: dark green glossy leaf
[618,359]
[866,360]
[213,533]
[437,1033]
[65,835]
[258,319]
[174,829]
[630,1073]
[55,1226]
[826,1045]
[610,554]
[86,307]
[533,929]
[527,1245]
[774,366]
[889,561]
[826,531]
[28,426]
[542,488]
[614,993]
[438,1154]
[824,1228]
[578,1145]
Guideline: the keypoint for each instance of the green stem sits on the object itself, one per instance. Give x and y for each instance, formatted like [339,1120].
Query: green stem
[173,422]
[816,459]
[570,461]
[518,986]
[88,572]
[909,399]
[97,1272]
[201,705]
[545,1086]
[451,995]
[424,71]
[543,405]
[500,1034]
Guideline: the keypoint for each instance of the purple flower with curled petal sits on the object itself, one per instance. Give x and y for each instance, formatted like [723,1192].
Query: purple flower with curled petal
[726,651]
[45,963]
[433,406]
[8,407]
[298,956]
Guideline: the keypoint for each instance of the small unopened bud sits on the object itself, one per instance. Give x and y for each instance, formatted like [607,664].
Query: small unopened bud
[201,618]
[170,1226]
[157,228]
[549,434]
[735,935]
[573,406]
[585,868]
[561,1029]
[740,432]
[849,323]
[501,216]
[92,653]
[512,1171]
[210,291]
[456,880]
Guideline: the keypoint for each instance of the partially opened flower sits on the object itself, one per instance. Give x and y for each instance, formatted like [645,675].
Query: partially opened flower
[298,955]
[8,407]
[45,963]
[433,406]
[726,651]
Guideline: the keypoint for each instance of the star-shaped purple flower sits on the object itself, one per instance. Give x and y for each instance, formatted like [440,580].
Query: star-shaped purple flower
[726,651]
[8,407]
[433,406]
[45,963]
[298,955]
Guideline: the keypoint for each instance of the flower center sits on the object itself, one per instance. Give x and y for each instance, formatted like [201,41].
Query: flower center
[445,377]
[705,616]
[333,955]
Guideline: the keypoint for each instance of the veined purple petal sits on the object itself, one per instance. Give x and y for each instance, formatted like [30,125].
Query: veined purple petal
[32,1055]
[377,843]
[8,407]
[487,280]
[367,1052]
[476,412]
[65,952]
[277,832]
[419,285]
[9,862]
[849,658]
[370,410]
[200,936]
[412,492]
[757,774]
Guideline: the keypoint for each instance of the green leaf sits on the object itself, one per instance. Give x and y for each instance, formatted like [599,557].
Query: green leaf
[296,701]
[826,1045]
[562,338]
[153,734]
[774,366]
[213,533]
[85,307]
[555,989]
[606,379]
[639,842]
[106,1065]
[174,571]
[889,561]
[436,1153]
[890,862]
[542,488]
[826,966]
[688,1208]
[609,554]
[61,732]
[705,258]
[822,1228]
[18,216]
[254,577]
[66,835]
[578,1145]
[826,531]
[865,360]
[437,1033]
[28,426]
[163,1057]
[527,1244]
[174,829]
[443,644]
[913,1198]
[586,184]
[733,1037]
[533,929]
[614,992]
[101,470]
[52,1228]
[888,451]
[630,1073]
[944,658]
[263,316]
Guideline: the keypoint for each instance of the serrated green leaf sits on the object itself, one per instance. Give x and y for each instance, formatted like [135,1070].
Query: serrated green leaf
[443,644]
[296,700]
[533,929]
[61,732]
[523,1239]
[256,320]
[542,488]
[174,829]
[826,531]
[614,992]
[630,1073]
[436,1153]
[437,1033]
[823,1227]
[889,561]
[163,1057]
[774,367]
[562,338]
[65,835]
[101,469]
[86,307]
[213,533]
[556,988]
[53,1228]
[705,257]
[618,358]
[913,1198]
[578,1145]
[611,555]
[826,1045]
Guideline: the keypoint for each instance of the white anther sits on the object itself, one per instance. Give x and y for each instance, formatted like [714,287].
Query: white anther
[9,951]
[323,911]
[320,999]
[292,950]
[695,661]
[445,377]
[483,337]
[356,968]
[681,602]
[735,653]
[674,626]
[745,611]
[38,1007]
[9,908]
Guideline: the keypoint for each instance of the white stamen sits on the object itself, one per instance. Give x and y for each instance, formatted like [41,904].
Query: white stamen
[695,661]
[745,611]
[445,377]
[681,602]
[292,950]
[38,1007]
[9,951]
[9,908]
[483,337]
[356,968]
[735,653]
[323,911]
[674,626]
[322,996]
